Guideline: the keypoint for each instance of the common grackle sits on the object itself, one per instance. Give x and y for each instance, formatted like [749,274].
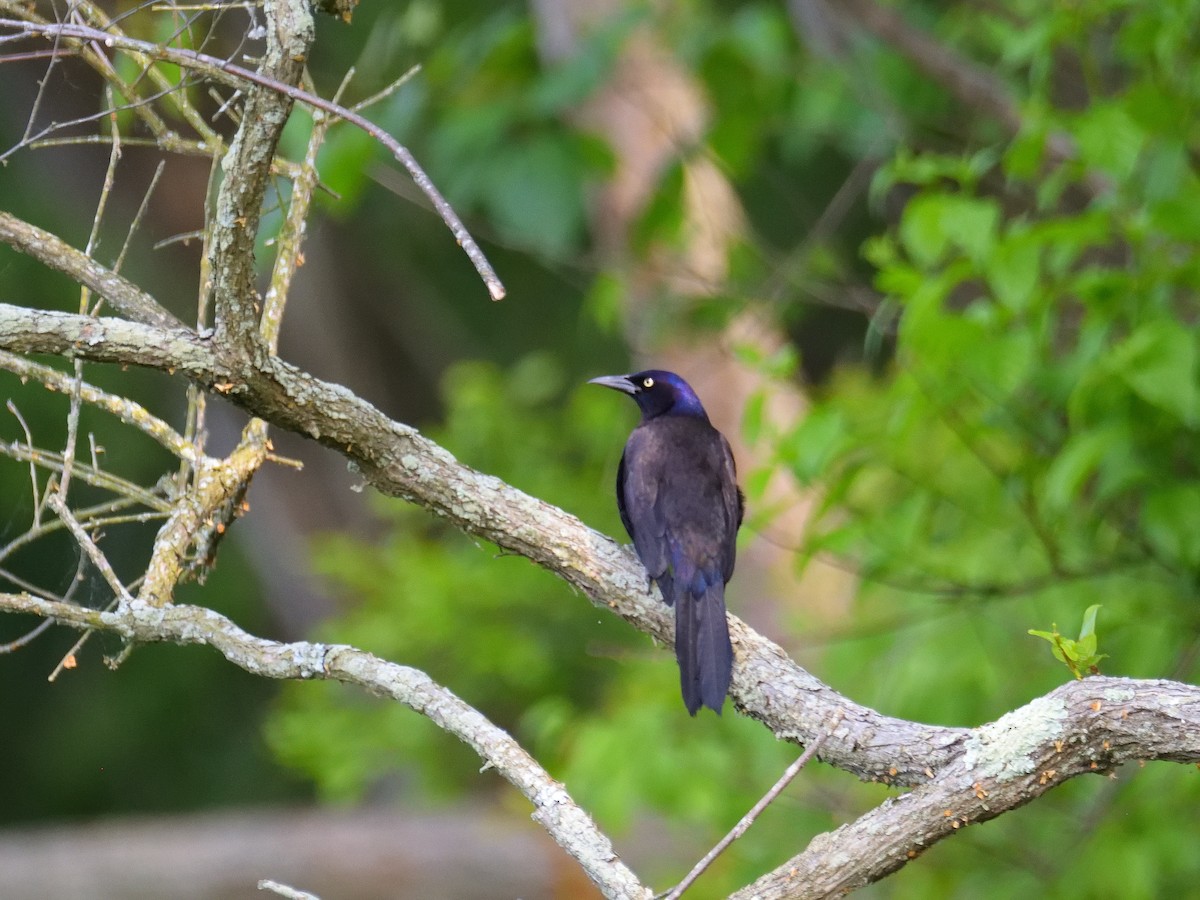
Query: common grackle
[679,500]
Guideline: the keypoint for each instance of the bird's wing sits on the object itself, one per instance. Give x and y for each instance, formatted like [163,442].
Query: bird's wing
[734,503]
[639,500]
[625,520]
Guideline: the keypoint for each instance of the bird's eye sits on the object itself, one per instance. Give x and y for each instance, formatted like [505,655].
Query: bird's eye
[647,382]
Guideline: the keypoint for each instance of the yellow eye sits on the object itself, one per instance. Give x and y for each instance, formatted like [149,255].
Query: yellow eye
[647,382]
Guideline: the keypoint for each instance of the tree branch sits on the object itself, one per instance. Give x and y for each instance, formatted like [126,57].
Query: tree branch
[1088,726]
[226,72]
[106,339]
[247,166]
[51,251]
[554,809]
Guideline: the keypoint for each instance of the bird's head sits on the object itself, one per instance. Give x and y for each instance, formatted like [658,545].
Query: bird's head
[657,393]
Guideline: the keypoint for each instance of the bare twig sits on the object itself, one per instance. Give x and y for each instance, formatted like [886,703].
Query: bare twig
[229,73]
[128,411]
[73,410]
[747,820]
[53,462]
[30,454]
[110,173]
[41,627]
[27,638]
[288,256]
[137,220]
[50,250]
[99,560]
[98,516]
[386,92]
[191,115]
[284,890]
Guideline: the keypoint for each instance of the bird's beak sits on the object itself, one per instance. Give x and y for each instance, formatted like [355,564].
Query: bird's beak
[616,382]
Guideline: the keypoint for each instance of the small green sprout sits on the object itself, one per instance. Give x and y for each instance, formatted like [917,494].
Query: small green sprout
[1079,655]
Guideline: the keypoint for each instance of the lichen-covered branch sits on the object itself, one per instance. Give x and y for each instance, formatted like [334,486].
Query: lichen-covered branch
[112,340]
[128,411]
[554,809]
[51,251]
[247,167]
[1089,726]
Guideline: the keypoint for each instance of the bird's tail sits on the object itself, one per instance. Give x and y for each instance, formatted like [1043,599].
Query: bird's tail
[702,645]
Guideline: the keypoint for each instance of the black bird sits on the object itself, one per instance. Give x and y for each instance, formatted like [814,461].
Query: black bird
[679,500]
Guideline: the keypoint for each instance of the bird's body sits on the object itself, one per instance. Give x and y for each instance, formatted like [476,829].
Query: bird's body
[679,500]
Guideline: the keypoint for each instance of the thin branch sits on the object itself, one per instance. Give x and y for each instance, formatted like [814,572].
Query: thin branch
[145,62]
[235,76]
[288,255]
[246,166]
[98,516]
[554,808]
[97,477]
[99,560]
[27,638]
[90,53]
[55,253]
[44,625]
[89,250]
[137,219]
[386,92]
[749,818]
[31,456]
[73,411]
[128,411]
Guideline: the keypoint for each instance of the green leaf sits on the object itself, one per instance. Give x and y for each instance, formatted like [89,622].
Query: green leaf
[1081,458]
[1109,139]
[811,447]
[971,223]
[1089,621]
[1158,361]
[933,223]
[1013,270]
[921,230]
[1171,522]
[1078,655]
[752,416]
[534,191]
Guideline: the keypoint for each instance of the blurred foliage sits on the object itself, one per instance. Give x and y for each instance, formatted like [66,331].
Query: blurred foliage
[1033,451]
